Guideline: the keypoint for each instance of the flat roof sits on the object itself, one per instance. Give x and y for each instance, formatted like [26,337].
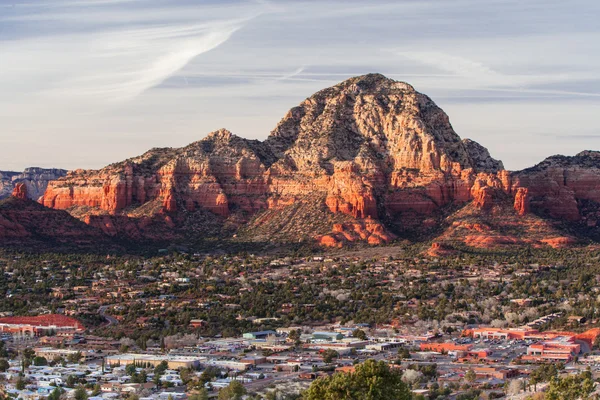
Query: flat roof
[154,357]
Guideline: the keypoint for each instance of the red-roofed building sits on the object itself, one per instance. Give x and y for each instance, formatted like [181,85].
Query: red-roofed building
[559,349]
[39,325]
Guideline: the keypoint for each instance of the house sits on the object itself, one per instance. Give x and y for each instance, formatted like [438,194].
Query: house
[197,323]
[576,319]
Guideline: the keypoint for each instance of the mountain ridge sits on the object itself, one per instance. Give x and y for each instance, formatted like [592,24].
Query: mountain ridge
[368,160]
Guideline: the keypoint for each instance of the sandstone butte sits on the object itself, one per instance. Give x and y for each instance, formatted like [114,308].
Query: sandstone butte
[377,158]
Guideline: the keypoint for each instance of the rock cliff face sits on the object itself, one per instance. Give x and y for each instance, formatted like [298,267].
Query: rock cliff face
[366,160]
[20,191]
[6,185]
[35,181]
[559,186]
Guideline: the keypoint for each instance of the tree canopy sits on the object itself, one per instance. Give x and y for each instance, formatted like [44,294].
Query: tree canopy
[372,380]
[235,391]
[578,386]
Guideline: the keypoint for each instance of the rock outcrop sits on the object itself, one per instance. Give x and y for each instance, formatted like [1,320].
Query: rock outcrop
[480,157]
[521,204]
[20,191]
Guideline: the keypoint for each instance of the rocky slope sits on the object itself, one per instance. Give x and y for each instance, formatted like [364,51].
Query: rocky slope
[367,160]
[24,222]
[35,179]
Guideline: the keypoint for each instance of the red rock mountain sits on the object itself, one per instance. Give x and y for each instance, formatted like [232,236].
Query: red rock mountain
[369,159]
[25,222]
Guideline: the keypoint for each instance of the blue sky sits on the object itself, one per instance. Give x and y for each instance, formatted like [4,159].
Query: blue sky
[84,83]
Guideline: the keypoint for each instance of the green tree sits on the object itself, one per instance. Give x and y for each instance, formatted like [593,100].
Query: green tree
[597,342]
[185,375]
[4,365]
[96,390]
[28,354]
[578,386]
[372,380]
[294,335]
[130,369]
[71,381]
[544,373]
[209,374]
[201,395]
[39,361]
[74,358]
[470,376]
[80,393]
[161,368]
[55,394]
[403,353]
[235,391]
[20,385]
[3,352]
[359,334]
[329,355]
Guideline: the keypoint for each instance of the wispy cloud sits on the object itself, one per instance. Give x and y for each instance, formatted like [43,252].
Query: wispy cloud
[470,74]
[292,74]
[120,70]
[107,62]
[83,80]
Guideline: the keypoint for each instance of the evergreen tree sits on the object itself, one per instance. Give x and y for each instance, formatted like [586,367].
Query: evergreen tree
[235,391]
[80,393]
[372,380]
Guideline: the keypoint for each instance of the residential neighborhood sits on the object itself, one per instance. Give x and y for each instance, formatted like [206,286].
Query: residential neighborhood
[184,325]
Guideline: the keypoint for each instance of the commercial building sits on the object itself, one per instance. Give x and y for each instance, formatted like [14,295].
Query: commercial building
[258,335]
[503,334]
[329,336]
[50,353]
[174,362]
[560,349]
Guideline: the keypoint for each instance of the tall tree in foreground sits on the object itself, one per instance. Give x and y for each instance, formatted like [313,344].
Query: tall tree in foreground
[235,391]
[372,380]
[571,387]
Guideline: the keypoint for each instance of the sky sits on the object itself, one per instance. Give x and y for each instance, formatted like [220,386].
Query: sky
[84,83]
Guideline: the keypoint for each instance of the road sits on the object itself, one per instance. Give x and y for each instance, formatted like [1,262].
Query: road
[111,320]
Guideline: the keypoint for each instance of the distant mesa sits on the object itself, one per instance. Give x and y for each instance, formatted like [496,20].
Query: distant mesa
[35,181]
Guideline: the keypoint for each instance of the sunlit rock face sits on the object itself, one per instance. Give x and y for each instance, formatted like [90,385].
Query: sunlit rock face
[372,154]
